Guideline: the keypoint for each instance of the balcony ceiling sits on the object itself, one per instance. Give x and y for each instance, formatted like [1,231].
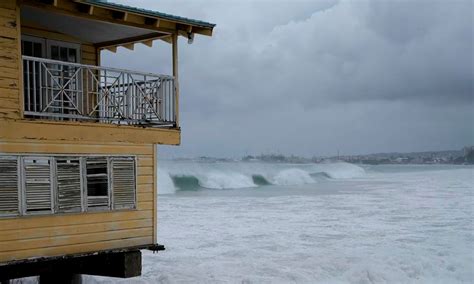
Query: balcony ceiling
[86,30]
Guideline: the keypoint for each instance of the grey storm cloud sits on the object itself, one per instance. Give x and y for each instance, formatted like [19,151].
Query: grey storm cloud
[308,77]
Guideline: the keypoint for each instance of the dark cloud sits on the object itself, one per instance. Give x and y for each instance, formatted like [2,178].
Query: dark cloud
[308,77]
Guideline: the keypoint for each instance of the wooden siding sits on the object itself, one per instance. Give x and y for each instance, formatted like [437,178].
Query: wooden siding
[10,64]
[75,132]
[11,29]
[60,234]
[70,233]
[11,93]
[10,56]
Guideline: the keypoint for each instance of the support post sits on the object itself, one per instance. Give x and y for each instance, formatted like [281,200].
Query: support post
[175,75]
[155,193]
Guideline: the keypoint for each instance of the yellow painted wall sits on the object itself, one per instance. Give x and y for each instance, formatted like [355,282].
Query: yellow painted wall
[11,29]
[12,124]
[10,100]
[54,235]
[59,234]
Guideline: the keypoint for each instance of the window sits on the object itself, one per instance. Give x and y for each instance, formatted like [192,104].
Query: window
[47,185]
[38,187]
[123,182]
[48,86]
[68,180]
[32,79]
[9,185]
[97,183]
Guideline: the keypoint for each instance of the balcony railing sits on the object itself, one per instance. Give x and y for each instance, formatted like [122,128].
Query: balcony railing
[57,90]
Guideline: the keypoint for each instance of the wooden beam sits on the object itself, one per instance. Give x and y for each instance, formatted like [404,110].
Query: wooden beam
[129,46]
[112,48]
[202,31]
[83,132]
[183,33]
[175,75]
[130,40]
[155,193]
[167,39]
[148,43]
[71,8]
[114,15]
[19,29]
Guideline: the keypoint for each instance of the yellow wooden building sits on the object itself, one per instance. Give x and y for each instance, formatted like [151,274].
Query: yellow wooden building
[78,157]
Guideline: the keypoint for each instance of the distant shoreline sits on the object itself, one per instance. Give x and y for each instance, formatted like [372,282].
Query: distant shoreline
[451,157]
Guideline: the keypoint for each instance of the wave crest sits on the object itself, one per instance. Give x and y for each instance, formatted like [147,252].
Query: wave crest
[193,176]
[221,180]
[292,177]
[341,170]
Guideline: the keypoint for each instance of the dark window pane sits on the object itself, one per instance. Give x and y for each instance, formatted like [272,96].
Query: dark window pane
[63,53]
[28,48]
[97,179]
[37,50]
[72,55]
[54,53]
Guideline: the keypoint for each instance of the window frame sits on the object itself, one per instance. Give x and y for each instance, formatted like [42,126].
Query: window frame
[52,190]
[135,188]
[35,39]
[56,186]
[85,186]
[22,208]
[18,182]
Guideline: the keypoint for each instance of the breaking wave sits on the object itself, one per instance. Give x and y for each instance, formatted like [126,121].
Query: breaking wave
[292,177]
[192,176]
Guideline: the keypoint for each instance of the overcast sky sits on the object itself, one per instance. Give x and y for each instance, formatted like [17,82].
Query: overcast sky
[314,77]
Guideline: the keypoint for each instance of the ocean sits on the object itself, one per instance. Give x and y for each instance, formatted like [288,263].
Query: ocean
[249,222]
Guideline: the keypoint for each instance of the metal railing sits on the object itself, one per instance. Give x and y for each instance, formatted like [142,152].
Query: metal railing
[58,90]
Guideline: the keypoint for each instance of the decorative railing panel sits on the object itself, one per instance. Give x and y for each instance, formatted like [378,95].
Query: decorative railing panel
[57,90]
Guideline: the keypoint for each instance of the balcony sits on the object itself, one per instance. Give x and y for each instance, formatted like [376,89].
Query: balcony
[62,91]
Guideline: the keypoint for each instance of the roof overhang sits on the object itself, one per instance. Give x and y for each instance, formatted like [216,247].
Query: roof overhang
[108,25]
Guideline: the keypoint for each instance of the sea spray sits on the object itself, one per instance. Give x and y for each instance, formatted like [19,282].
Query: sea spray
[292,177]
[339,170]
[194,175]
[225,180]
[165,183]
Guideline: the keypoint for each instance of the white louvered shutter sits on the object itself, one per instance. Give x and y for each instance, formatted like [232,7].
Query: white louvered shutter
[123,183]
[38,187]
[8,185]
[68,173]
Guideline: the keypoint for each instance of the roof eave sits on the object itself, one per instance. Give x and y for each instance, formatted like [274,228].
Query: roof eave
[198,27]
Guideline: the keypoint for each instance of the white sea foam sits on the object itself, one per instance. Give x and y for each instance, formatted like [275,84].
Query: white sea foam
[165,183]
[339,170]
[292,177]
[406,227]
[225,180]
[396,225]
[241,175]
